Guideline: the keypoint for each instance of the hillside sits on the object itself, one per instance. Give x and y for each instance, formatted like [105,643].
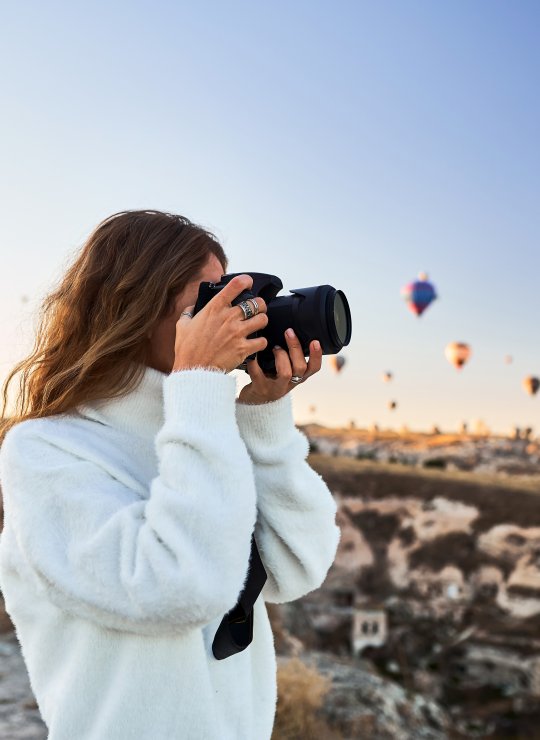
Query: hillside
[436,585]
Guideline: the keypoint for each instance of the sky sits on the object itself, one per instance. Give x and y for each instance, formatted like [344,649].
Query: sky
[353,144]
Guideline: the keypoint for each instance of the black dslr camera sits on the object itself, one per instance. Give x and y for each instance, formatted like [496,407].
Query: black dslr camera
[320,312]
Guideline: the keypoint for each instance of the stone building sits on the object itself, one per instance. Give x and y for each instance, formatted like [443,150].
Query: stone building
[369,628]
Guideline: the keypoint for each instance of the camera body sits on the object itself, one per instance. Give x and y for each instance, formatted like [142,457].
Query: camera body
[320,312]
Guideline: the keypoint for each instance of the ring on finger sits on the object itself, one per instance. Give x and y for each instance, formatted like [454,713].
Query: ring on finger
[247,309]
[297,379]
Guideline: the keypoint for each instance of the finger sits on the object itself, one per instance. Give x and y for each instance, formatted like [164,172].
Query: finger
[283,364]
[256,345]
[255,323]
[315,358]
[234,287]
[298,361]
[261,304]
[255,370]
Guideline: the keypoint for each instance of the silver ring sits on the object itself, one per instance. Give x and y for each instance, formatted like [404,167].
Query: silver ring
[297,379]
[255,305]
[247,309]
[187,313]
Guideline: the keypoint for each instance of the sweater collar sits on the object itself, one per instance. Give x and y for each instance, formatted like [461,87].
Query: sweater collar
[139,411]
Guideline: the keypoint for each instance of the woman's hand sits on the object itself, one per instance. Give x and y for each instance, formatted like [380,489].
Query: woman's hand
[264,388]
[217,336]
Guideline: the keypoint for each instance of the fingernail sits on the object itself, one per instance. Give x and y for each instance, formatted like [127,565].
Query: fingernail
[316,345]
[276,346]
[289,333]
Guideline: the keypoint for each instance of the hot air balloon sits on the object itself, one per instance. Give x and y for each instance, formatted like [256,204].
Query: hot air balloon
[336,362]
[457,353]
[312,409]
[419,294]
[531,384]
[392,405]
[508,359]
[387,377]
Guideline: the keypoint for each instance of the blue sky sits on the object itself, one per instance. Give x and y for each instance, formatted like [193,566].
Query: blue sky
[347,143]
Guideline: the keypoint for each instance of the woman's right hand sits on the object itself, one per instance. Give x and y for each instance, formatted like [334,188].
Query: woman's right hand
[216,337]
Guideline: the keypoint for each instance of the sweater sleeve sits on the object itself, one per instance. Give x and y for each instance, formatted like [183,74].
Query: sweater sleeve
[296,531]
[168,563]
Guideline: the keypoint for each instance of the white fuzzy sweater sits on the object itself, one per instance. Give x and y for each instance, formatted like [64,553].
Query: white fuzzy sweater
[127,538]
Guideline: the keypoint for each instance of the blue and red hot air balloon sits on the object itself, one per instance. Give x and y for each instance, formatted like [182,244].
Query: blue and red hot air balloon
[419,294]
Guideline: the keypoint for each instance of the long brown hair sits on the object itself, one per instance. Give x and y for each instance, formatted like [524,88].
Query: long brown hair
[92,337]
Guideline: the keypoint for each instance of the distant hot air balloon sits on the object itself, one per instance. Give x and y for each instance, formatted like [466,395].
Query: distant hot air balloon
[508,359]
[312,409]
[387,377]
[531,384]
[392,405]
[457,353]
[419,294]
[336,362]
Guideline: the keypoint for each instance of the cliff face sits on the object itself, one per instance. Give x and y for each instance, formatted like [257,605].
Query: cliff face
[437,585]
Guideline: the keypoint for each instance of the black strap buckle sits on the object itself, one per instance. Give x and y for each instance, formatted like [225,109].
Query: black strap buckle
[235,631]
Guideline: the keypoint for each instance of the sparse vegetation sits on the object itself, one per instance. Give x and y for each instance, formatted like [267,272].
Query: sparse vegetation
[301,692]
[435,462]
[365,455]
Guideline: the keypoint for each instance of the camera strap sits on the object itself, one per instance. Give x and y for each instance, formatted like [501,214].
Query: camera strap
[235,631]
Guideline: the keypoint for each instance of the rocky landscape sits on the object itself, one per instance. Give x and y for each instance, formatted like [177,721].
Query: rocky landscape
[436,589]
[516,454]
[428,623]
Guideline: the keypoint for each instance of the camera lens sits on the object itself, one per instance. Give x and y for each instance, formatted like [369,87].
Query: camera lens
[340,318]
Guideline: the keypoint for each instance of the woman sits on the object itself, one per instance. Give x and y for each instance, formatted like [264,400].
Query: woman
[133,480]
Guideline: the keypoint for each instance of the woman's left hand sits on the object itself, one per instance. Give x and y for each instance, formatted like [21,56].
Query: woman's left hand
[264,388]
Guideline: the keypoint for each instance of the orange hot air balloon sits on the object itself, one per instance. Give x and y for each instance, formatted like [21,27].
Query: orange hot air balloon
[457,353]
[387,377]
[336,362]
[531,384]
[508,359]
[392,405]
